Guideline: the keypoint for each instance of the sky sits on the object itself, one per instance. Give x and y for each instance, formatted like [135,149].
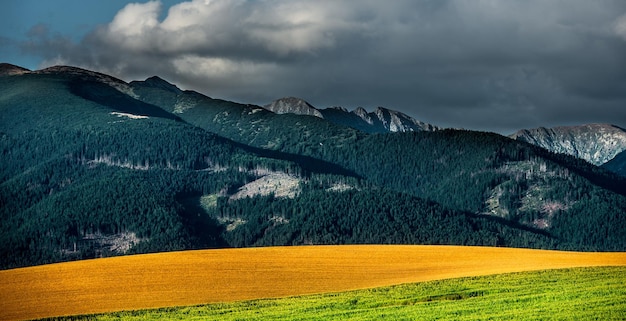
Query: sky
[486,65]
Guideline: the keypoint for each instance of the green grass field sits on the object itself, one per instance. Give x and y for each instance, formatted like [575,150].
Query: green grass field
[567,294]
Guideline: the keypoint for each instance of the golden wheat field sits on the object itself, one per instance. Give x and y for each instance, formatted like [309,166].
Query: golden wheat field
[206,276]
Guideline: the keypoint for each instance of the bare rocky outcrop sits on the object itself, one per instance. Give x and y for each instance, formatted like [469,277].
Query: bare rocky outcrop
[293,105]
[278,184]
[381,120]
[395,121]
[595,143]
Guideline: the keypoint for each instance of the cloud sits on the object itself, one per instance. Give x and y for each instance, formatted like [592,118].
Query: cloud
[496,65]
[135,19]
[620,26]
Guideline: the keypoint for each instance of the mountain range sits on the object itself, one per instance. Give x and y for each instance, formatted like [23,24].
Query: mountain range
[381,120]
[599,144]
[96,166]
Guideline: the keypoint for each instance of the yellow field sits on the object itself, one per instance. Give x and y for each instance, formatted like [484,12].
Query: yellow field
[205,276]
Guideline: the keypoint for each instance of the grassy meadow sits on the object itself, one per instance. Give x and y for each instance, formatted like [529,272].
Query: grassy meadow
[228,275]
[565,294]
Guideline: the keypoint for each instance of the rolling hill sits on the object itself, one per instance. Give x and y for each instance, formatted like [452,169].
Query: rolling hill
[226,275]
[568,294]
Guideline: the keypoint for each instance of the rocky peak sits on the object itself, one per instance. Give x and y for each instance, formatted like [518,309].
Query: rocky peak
[395,121]
[293,105]
[595,143]
[380,120]
[363,114]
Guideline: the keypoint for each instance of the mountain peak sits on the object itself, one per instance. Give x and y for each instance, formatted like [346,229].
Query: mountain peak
[9,69]
[158,82]
[394,121]
[595,143]
[293,105]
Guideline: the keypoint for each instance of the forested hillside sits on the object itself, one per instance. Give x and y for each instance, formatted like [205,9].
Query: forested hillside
[93,166]
[617,164]
[86,177]
[480,173]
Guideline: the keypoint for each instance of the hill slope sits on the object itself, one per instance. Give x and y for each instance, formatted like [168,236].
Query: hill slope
[569,294]
[9,69]
[474,172]
[196,277]
[90,171]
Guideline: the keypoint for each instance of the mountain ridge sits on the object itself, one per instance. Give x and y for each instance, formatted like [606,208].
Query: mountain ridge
[380,120]
[595,143]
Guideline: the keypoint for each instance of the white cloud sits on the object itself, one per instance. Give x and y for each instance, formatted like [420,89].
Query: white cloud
[135,19]
[217,68]
[201,13]
[620,26]
[220,27]
[294,26]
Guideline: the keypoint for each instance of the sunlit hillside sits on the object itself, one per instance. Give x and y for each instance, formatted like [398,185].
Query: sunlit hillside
[205,276]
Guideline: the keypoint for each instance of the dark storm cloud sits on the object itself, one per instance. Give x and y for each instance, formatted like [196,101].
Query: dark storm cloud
[491,65]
